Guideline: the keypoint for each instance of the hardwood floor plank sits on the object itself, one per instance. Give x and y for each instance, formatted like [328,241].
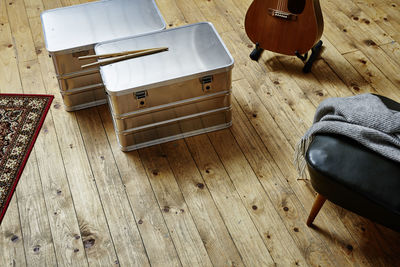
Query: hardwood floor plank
[64,226]
[386,18]
[51,4]
[33,8]
[241,227]
[177,215]
[373,75]
[20,29]
[280,244]
[12,249]
[91,219]
[3,12]
[343,69]
[38,240]
[209,222]
[213,14]
[371,29]
[172,15]
[284,160]
[392,50]
[346,30]
[9,75]
[123,228]
[282,196]
[158,243]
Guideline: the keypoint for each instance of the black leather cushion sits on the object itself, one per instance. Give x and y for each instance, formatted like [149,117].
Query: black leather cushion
[356,178]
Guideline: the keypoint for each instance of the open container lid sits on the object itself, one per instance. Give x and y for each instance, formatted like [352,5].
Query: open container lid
[195,50]
[79,27]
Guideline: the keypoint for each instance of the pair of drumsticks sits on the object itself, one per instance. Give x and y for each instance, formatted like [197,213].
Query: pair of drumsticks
[116,57]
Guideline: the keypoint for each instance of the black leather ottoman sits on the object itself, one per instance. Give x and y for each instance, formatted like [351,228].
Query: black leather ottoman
[354,178]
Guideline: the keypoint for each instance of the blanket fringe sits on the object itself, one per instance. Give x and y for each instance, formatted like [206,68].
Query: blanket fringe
[300,151]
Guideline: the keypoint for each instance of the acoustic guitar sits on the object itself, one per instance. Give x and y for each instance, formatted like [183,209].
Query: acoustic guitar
[290,27]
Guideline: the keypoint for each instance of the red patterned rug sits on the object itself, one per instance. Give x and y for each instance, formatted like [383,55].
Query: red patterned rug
[21,117]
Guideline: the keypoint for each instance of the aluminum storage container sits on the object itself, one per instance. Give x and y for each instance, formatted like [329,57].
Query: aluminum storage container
[71,32]
[174,129]
[172,94]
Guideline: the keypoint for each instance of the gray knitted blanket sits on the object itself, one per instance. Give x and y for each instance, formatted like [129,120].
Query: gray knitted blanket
[363,118]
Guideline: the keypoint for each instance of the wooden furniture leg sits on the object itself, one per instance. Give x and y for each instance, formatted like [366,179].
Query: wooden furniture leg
[318,203]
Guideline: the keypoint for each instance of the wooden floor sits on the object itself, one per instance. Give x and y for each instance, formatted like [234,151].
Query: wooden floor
[228,198]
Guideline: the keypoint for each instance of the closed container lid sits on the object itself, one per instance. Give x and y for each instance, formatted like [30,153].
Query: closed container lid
[79,27]
[194,50]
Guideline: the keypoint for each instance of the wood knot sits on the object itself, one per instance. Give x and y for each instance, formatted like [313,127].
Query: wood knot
[57,106]
[366,21]
[155,172]
[140,221]
[276,82]
[254,115]
[36,249]
[59,192]
[254,207]
[349,247]
[9,46]
[200,185]
[285,208]
[76,250]
[77,237]
[363,61]
[166,209]
[89,243]
[208,170]
[28,67]
[14,238]
[355,18]
[296,229]
[370,43]
[344,30]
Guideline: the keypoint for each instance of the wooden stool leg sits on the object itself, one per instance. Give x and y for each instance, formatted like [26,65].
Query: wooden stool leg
[318,203]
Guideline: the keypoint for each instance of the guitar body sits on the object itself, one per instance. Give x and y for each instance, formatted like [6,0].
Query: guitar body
[285,26]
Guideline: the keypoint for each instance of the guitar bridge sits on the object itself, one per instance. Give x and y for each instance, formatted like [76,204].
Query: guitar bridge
[282,14]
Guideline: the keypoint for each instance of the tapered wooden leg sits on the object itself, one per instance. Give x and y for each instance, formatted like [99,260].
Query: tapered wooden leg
[318,203]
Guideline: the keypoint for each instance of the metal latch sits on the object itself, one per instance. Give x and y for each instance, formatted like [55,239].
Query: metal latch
[141,98]
[206,83]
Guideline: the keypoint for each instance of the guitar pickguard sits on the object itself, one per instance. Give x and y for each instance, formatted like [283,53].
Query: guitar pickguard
[281,14]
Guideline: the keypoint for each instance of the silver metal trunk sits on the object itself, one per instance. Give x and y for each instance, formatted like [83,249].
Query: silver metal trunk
[71,32]
[169,95]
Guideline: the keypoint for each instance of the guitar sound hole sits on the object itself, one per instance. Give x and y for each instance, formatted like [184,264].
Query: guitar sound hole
[296,6]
